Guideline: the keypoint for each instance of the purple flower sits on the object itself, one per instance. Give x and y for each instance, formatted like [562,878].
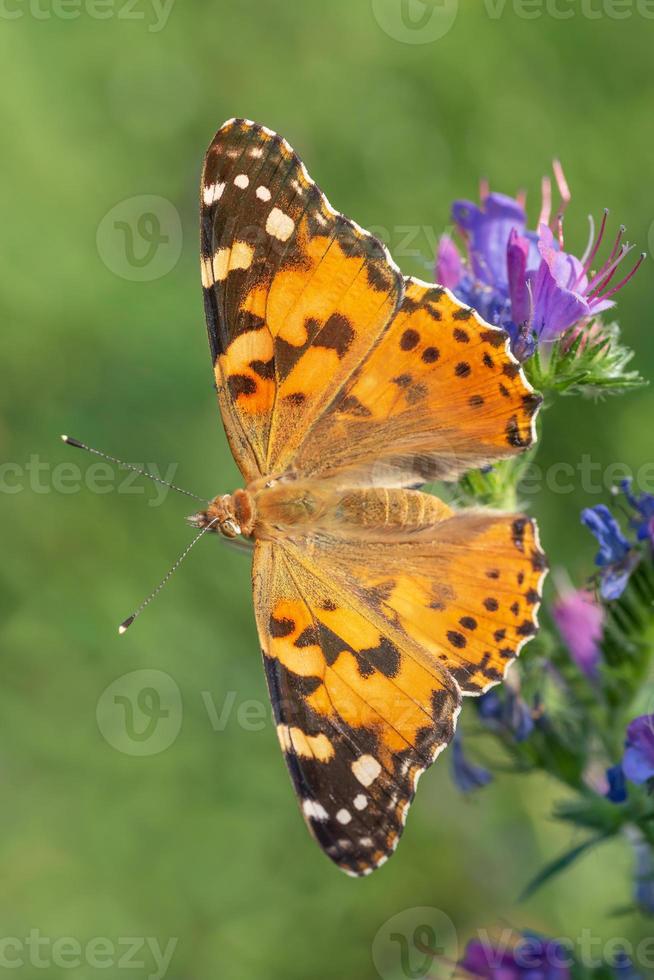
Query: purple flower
[449,266]
[637,762]
[508,712]
[487,230]
[638,759]
[614,556]
[466,775]
[556,304]
[643,505]
[531,958]
[579,619]
[562,293]
[524,281]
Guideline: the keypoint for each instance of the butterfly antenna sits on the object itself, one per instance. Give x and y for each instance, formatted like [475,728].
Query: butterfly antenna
[129,466]
[126,623]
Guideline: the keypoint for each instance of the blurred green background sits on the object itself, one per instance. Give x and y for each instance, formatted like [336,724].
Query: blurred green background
[106,102]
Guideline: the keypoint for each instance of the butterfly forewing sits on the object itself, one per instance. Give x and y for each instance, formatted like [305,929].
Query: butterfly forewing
[438,395]
[295,294]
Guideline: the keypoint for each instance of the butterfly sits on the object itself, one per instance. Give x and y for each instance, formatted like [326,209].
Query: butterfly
[344,387]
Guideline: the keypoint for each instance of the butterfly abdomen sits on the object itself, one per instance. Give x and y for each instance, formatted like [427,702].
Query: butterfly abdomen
[305,505]
[378,508]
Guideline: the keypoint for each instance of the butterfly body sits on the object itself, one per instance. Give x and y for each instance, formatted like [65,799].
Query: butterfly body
[344,387]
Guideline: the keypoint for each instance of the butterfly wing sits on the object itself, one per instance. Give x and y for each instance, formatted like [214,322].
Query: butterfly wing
[439,394]
[464,590]
[359,716]
[295,294]
[329,365]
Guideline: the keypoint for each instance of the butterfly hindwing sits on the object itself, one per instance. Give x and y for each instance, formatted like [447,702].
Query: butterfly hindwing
[295,293]
[460,594]
[358,721]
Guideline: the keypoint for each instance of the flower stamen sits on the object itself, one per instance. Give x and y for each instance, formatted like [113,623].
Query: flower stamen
[623,282]
[546,197]
[595,249]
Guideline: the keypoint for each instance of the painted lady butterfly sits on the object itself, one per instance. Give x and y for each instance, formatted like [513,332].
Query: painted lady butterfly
[343,386]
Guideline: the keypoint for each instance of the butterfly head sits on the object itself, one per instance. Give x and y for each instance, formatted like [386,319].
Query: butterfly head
[229,515]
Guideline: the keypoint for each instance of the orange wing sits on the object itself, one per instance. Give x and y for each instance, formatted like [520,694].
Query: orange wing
[359,716]
[465,589]
[439,394]
[369,641]
[295,294]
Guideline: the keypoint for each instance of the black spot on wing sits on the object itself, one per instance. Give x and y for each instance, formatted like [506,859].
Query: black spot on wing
[514,436]
[281,627]
[241,384]
[409,339]
[337,334]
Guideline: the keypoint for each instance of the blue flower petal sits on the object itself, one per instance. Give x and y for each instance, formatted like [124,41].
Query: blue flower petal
[617,791]
[466,775]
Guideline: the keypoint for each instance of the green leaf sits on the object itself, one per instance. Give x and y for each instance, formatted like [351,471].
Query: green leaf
[560,864]
[628,639]
[593,812]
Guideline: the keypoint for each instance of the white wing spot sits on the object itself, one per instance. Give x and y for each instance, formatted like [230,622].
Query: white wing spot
[315,810]
[242,181]
[206,272]
[213,193]
[256,152]
[360,802]
[280,225]
[343,816]
[221,264]
[366,769]
[263,194]
[365,841]
[241,256]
